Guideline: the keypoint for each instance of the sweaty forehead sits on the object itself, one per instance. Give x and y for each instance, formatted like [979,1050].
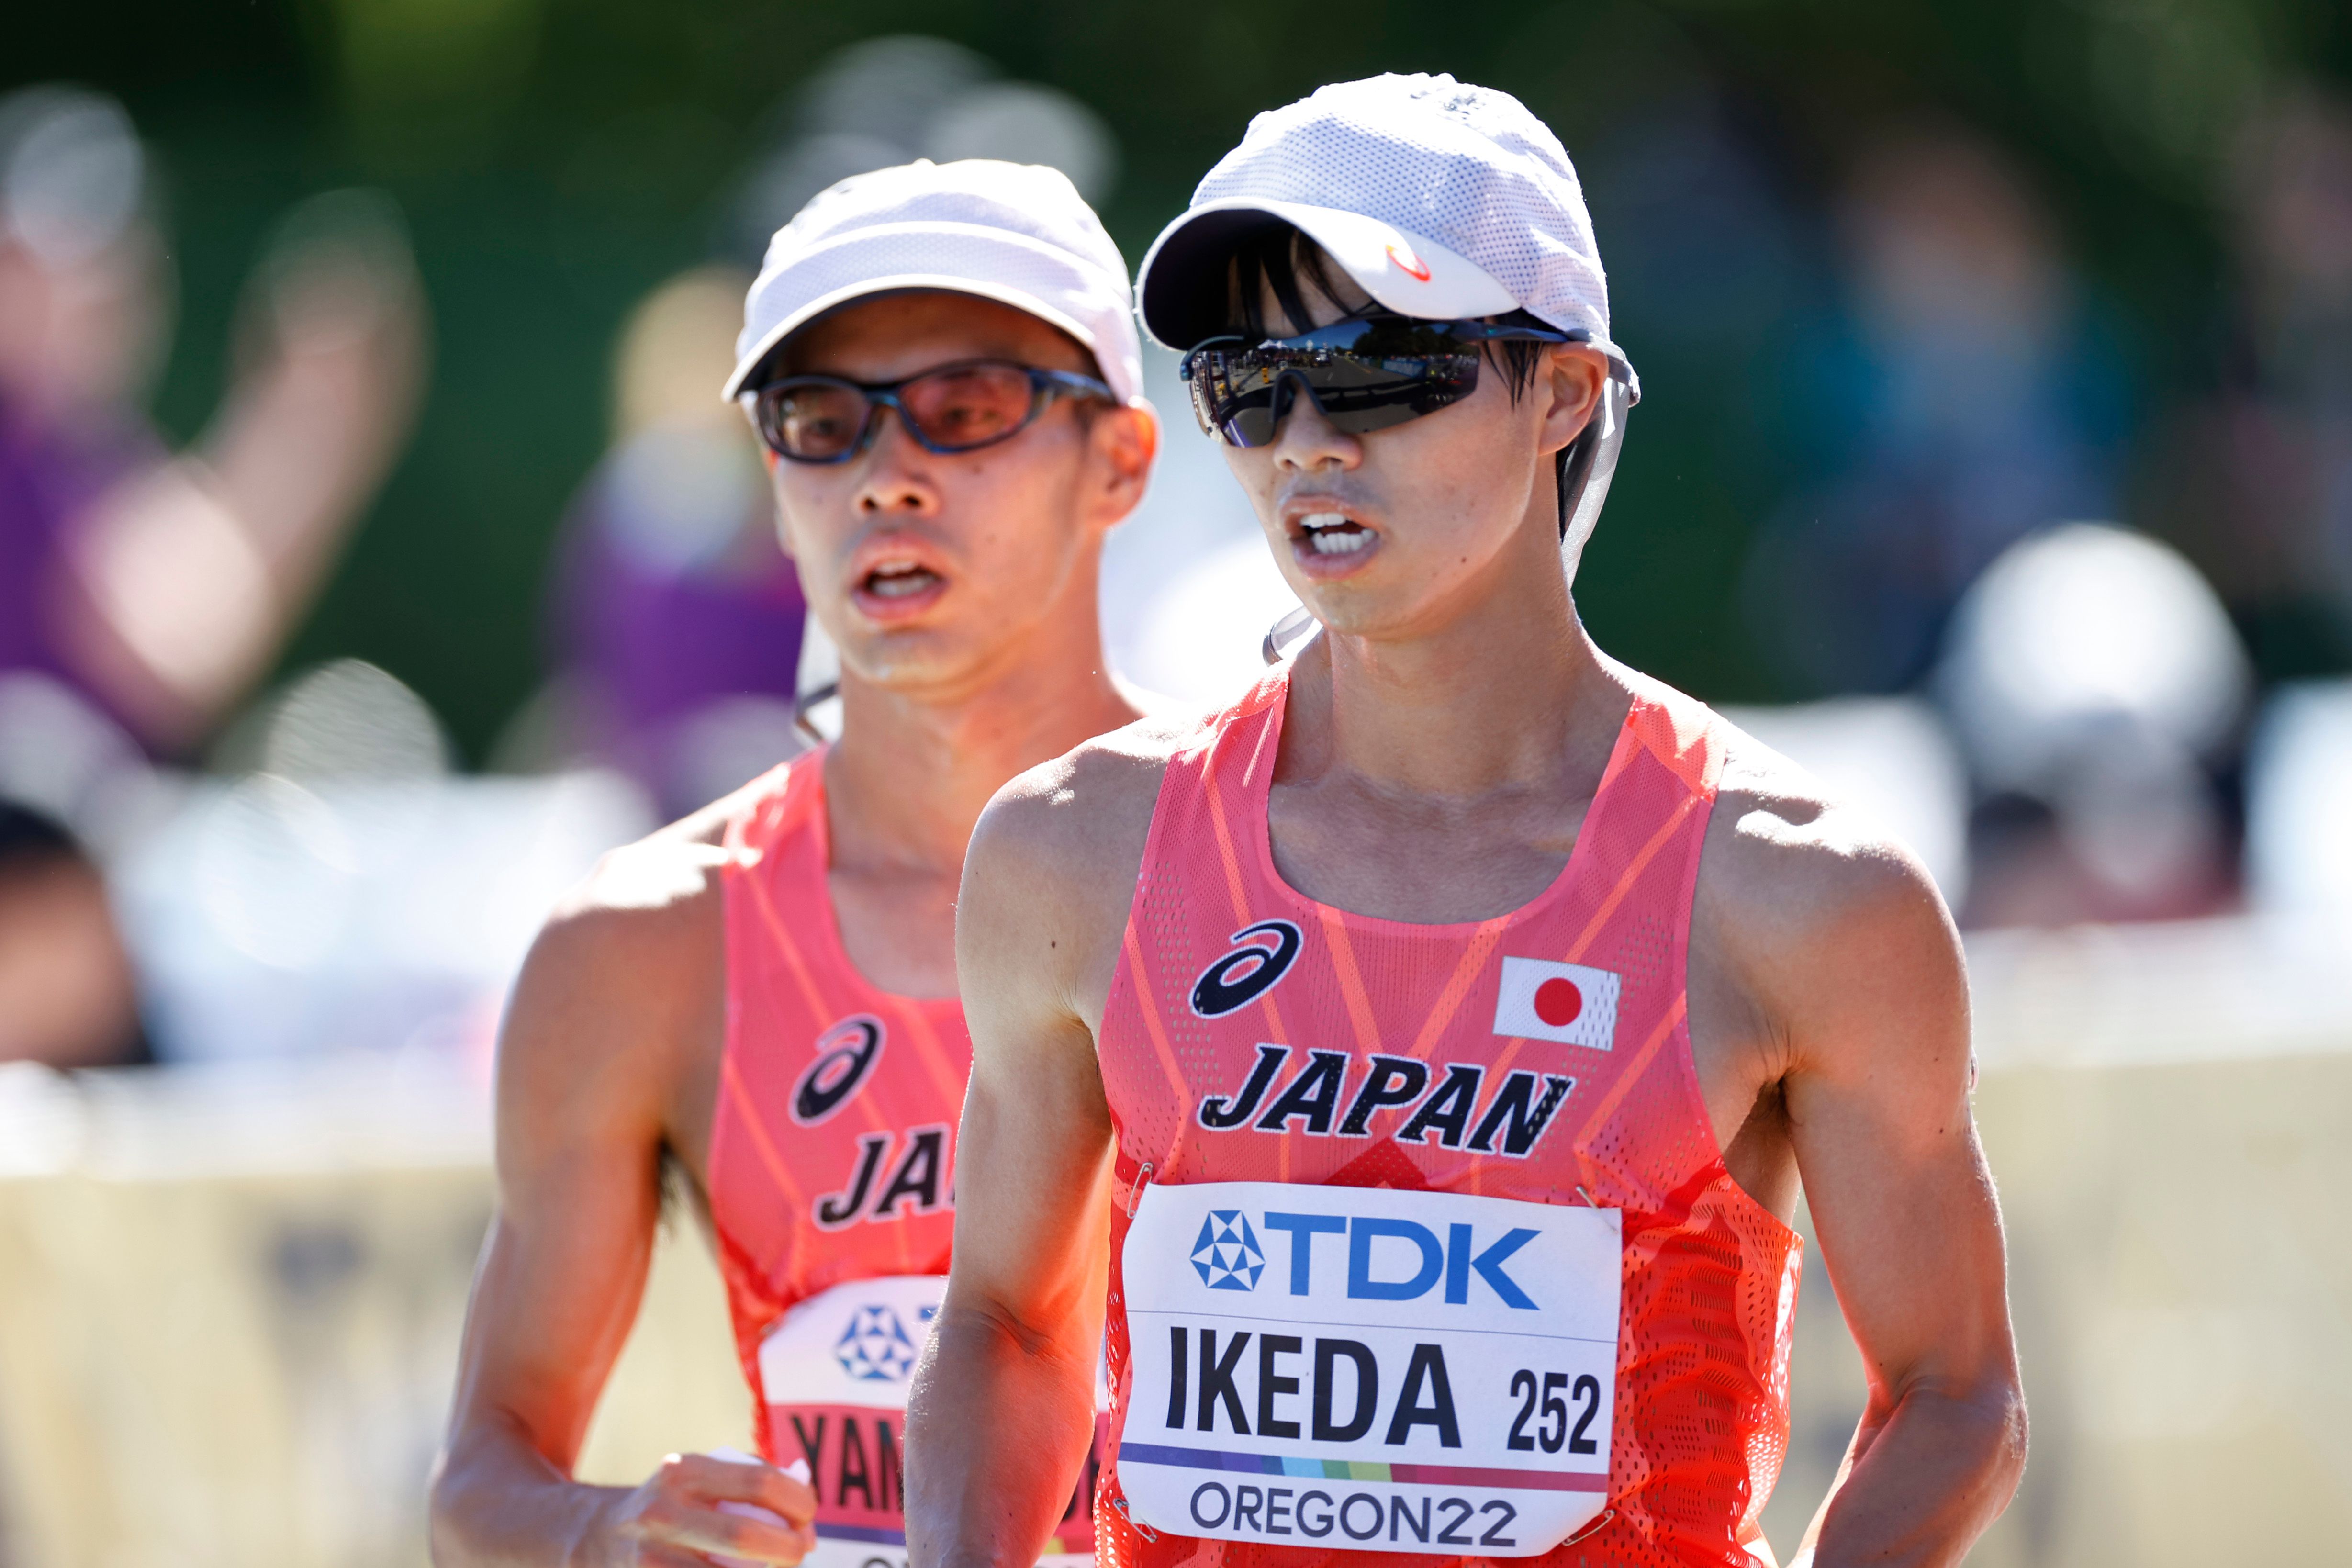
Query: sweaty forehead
[891,336]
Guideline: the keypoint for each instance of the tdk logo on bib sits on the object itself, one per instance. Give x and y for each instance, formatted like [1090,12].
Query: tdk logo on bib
[1568,1003]
[1388,1259]
[1226,1252]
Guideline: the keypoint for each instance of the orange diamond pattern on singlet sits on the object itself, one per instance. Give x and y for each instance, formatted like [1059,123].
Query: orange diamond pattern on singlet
[788,984]
[1709,1277]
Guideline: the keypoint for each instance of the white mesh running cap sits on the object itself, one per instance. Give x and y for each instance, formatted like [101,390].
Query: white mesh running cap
[1443,201]
[1017,233]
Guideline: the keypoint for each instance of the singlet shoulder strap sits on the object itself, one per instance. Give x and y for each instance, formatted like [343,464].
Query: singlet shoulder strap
[1680,731]
[1264,694]
[773,805]
[1230,747]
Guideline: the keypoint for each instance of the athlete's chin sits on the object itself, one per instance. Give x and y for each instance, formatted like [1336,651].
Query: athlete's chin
[913,659]
[1366,602]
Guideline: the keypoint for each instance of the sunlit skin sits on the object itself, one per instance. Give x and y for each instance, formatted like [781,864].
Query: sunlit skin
[1456,715]
[610,1054]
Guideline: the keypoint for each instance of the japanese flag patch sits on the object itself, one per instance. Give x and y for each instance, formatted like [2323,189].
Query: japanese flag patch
[1568,1003]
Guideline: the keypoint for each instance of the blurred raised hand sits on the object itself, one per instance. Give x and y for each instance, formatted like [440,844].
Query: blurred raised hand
[194,571]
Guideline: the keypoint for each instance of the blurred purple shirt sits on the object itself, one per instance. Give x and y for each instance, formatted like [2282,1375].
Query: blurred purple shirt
[673,594]
[49,476]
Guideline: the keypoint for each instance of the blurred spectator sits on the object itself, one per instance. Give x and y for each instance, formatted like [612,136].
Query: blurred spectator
[1962,397]
[141,592]
[891,99]
[2097,689]
[1701,246]
[2258,482]
[677,615]
[159,587]
[65,993]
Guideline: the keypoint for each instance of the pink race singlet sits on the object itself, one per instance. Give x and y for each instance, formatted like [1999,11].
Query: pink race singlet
[832,1179]
[1423,1246]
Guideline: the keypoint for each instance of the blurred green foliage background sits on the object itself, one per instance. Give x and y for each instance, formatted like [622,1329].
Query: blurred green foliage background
[556,158]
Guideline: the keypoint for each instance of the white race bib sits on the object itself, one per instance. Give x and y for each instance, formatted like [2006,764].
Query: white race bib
[1369,1369]
[833,1372]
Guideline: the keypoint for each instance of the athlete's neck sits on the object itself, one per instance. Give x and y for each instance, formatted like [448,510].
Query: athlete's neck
[1502,694]
[912,770]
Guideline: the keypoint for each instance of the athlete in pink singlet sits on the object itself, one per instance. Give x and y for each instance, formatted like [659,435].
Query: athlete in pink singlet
[1428,1050]
[943,365]
[829,1182]
[1547,1062]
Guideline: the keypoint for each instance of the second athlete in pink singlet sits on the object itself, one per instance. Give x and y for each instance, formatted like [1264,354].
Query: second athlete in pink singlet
[760,1000]
[832,1179]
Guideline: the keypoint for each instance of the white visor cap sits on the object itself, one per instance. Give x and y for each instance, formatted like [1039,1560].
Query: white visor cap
[1442,201]
[1016,233]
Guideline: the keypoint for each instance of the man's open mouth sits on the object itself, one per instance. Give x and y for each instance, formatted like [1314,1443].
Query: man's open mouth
[1333,533]
[899,580]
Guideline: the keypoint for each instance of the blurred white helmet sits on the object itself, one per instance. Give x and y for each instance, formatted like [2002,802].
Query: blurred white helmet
[2079,633]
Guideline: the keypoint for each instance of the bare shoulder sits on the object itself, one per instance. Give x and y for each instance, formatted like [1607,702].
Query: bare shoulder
[1816,909]
[644,907]
[1080,820]
[1059,848]
[629,967]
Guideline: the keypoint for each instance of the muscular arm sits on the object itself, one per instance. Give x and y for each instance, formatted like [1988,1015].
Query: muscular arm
[1858,978]
[1002,1408]
[611,997]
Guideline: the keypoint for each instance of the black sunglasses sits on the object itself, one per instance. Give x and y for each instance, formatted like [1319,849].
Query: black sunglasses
[1364,373]
[954,409]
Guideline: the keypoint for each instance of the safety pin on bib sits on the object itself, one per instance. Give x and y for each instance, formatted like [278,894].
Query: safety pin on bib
[1606,1515]
[1135,1194]
[1134,1524]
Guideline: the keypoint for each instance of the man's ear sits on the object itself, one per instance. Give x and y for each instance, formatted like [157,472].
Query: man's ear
[1573,378]
[1127,440]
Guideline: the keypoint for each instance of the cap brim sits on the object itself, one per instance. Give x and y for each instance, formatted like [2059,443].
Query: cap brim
[748,366]
[1182,283]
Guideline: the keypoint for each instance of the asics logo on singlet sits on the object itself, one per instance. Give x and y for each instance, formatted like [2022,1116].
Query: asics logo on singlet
[1396,1097]
[1249,971]
[845,1054]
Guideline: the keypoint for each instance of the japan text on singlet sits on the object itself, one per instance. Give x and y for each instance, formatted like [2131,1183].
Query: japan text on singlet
[831,1181]
[1422,1242]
